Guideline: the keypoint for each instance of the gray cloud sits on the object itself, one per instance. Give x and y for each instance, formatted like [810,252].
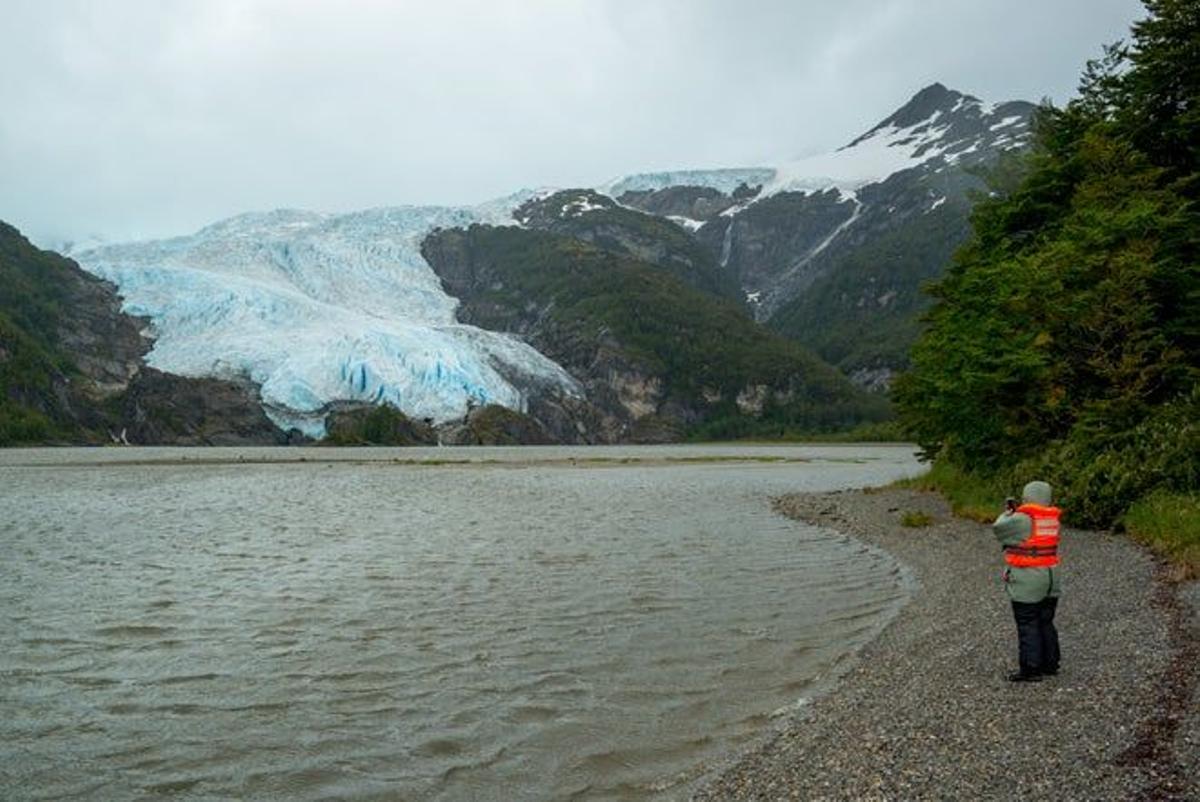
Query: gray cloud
[136,118]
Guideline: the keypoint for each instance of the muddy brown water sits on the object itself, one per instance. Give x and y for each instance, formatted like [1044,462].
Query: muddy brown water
[424,624]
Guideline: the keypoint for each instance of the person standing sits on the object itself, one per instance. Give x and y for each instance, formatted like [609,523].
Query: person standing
[1029,535]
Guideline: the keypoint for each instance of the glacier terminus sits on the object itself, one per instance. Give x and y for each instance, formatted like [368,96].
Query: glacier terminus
[317,308]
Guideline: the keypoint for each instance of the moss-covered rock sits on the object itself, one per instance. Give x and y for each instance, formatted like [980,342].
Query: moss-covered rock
[384,425]
[494,425]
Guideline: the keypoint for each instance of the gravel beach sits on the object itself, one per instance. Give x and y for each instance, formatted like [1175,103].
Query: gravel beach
[925,712]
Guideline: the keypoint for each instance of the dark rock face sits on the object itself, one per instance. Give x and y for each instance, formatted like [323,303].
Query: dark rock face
[697,204]
[773,242]
[597,219]
[106,345]
[357,424]
[164,409]
[693,203]
[796,255]
[494,425]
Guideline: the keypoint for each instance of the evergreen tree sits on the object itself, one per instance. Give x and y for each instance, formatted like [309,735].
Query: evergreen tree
[1070,322]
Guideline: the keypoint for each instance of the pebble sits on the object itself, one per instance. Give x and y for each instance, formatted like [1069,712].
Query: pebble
[926,711]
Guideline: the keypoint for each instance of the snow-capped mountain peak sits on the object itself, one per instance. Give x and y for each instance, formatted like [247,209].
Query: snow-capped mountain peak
[778,229]
[320,308]
[935,127]
[927,105]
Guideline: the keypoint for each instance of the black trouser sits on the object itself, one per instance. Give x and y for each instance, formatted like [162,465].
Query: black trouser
[1036,636]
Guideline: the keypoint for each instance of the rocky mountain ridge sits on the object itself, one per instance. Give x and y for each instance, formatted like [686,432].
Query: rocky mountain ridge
[326,317]
[654,356]
[856,231]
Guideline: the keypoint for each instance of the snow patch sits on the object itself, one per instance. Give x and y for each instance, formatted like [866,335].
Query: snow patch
[686,222]
[954,157]
[885,152]
[578,207]
[1007,121]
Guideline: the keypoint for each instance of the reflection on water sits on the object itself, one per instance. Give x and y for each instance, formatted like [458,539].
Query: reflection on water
[525,627]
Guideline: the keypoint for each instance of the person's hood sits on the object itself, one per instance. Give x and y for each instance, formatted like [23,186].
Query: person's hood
[1037,493]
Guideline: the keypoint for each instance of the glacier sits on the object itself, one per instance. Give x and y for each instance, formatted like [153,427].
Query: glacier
[724,180]
[318,308]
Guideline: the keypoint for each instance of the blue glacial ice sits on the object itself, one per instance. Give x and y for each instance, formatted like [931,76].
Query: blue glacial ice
[724,180]
[318,308]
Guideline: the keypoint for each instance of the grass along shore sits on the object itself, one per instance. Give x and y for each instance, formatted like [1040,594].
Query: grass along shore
[1166,523]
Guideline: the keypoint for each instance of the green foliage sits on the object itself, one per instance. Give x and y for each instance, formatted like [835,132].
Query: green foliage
[1064,342]
[864,313]
[915,519]
[888,431]
[1169,523]
[31,362]
[381,425]
[1097,474]
[32,291]
[1157,102]
[599,302]
[741,427]
[970,495]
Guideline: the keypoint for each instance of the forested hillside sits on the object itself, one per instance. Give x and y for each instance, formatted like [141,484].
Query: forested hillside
[1064,343]
[656,357]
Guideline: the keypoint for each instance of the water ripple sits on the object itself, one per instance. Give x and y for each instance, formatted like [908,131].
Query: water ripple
[386,630]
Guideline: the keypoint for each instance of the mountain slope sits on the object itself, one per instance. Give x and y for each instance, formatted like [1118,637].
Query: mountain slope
[655,357]
[862,314]
[855,230]
[71,367]
[323,314]
[589,216]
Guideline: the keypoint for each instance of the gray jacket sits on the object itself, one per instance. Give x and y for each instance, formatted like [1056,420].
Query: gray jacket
[1027,585]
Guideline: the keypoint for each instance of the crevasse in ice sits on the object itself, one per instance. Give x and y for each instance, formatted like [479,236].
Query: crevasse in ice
[318,308]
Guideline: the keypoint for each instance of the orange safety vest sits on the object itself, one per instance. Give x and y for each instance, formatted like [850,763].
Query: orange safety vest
[1040,549]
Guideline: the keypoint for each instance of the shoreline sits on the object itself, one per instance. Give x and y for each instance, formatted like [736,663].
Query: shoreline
[649,455]
[925,711]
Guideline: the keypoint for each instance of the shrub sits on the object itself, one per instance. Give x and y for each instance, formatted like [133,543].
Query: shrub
[970,495]
[1169,524]
[913,518]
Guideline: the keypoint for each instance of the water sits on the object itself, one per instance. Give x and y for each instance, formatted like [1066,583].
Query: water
[540,623]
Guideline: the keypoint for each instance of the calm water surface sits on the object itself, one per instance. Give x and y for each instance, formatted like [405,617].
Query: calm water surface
[493,624]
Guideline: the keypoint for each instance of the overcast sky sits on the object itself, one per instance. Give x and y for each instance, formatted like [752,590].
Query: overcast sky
[139,118]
